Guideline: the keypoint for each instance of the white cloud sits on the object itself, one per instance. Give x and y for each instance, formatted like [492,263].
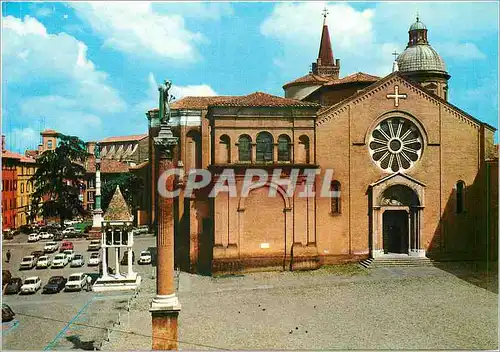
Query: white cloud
[50,76]
[197,10]
[461,51]
[134,28]
[43,12]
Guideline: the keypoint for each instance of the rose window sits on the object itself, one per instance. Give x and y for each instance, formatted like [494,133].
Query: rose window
[395,144]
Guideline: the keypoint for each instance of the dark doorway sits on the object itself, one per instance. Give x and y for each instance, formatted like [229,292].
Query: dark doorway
[395,231]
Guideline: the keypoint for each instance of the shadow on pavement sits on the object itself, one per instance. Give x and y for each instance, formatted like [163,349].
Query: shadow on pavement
[81,345]
[481,274]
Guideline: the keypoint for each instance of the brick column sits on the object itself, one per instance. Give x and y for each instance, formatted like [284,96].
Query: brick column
[165,306]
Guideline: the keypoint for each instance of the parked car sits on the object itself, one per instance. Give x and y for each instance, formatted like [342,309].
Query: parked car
[46,235]
[50,247]
[60,261]
[144,258]
[54,285]
[124,260]
[77,260]
[33,237]
[7,313]
[68,230]
[28,262]
[69,253]
[75,282]
[65,246]
[43,262]
[94,259]
[13,286]
[37,254]
[58,236]
[94,245]
[31,285]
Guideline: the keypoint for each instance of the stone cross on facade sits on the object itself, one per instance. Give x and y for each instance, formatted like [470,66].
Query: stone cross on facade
[396,96]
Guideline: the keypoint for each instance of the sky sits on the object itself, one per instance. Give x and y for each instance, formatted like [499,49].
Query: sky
[92,69]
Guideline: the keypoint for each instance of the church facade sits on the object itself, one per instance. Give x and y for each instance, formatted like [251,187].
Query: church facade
[415,175]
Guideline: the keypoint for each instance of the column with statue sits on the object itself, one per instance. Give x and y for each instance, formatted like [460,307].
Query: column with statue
[95,232]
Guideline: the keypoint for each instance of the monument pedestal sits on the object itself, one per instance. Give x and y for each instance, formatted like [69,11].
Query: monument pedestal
[117,283]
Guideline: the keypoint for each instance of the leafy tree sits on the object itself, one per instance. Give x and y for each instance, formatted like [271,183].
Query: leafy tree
[59,179]
[131,187]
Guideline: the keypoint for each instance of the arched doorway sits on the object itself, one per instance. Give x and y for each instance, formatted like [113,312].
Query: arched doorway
[396,217]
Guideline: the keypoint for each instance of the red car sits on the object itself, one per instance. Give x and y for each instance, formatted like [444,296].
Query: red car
[65,246]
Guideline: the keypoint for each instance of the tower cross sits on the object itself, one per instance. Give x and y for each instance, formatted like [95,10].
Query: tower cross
[325,13]
[396,96]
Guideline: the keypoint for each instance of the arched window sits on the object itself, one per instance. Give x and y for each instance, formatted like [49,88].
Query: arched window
[264,147]
[303,154]
[225,149]
[245,148]
[335,200]
[283,148]
[193,150]
[460,196]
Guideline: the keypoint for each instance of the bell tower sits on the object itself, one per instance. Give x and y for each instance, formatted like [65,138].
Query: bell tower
[325,64]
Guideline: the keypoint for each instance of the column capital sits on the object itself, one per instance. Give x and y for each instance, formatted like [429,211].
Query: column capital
[165,141]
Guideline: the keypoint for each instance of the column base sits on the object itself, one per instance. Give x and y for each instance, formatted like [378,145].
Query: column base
[110,283]
[165,303]
[164,330]
[417,253]
[377,253]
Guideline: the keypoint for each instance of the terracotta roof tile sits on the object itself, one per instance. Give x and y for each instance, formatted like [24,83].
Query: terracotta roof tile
[355,77]
[7,154]
[309,78]
[117,208]
[259,99]
[197,103]
[136,137]
[31,153]
[108,166]
[49,131]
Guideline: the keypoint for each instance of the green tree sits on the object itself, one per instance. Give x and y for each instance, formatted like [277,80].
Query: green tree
[131,187]
[59,179]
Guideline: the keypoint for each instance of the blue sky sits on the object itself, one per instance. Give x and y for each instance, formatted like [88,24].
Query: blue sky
[91,69]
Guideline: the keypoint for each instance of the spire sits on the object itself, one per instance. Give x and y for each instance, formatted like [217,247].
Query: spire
[325,64]
[117,208]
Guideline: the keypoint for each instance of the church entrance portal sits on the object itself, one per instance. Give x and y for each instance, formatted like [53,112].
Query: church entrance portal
[395,231]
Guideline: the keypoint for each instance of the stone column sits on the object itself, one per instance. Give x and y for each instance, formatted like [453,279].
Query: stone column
[254,152]
[104,259]
[165,306]
[129,262]
[275,152]
[117,263]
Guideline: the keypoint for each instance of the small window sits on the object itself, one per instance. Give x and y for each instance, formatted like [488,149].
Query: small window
[336,199]
[283,148]
[460,188]
[49,144]
[225,150]
[265,147]
[244,148]
[22,187]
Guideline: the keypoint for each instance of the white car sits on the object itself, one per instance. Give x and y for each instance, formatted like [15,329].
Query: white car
[33,237]
[28,262]
[46,236]
[31,285]
[68,230]
[69,253]
[94,245]
[145,258]
[60,261]
[77,260]
[50,247]
[75,282]
[43,262]
[94,259]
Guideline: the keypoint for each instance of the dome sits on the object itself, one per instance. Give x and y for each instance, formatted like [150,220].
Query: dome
[420,58]
[417,25]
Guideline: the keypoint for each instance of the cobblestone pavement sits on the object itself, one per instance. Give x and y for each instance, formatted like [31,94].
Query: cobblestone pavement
[397,308]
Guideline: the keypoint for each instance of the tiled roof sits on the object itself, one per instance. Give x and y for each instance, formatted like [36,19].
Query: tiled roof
[355,77]
[328,80]
[259,99]
[108,166]
[198,103]
[136,137]
[117,208]
[7,154]
[309,78]
[25,159]
[140,166]
[49,131]
[31,153]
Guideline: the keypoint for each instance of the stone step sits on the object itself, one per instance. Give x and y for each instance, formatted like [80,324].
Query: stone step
[396,262]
